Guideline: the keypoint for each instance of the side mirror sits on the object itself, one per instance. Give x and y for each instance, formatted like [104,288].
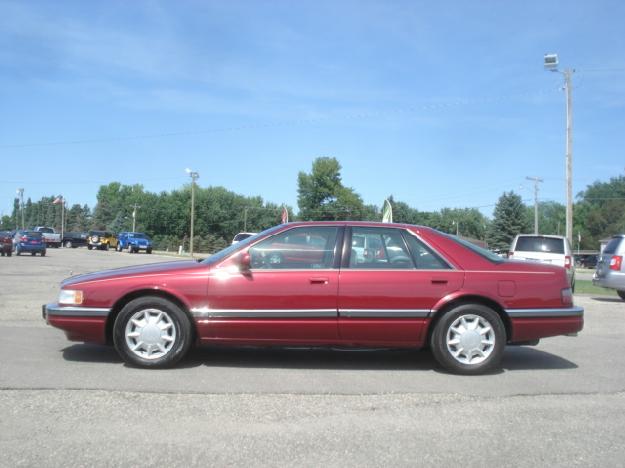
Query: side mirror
[244,261]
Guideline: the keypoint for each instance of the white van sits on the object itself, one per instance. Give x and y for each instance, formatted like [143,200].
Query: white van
[554,250]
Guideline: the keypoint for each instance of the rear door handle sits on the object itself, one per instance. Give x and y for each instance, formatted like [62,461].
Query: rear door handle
[318,280]
[439,281]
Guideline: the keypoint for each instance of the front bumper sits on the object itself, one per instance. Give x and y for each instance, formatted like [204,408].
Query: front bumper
[87,324]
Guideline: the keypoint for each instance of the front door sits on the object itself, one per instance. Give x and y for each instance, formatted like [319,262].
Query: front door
[288,296]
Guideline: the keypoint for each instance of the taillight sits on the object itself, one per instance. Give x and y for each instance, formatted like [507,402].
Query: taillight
[567,296]
[616,262]
[24,239]
[567,262]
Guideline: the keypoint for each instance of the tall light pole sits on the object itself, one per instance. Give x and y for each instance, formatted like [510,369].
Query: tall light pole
[134,216]
[536,181]
[194,176]
[551,64]
[20,192]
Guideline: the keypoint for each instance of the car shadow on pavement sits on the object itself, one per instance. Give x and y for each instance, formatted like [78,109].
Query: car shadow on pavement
[528,358]
[311,358]
[514,359]
[87,352]
[608,299]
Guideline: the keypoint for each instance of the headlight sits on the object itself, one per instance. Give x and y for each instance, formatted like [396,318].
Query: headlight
[70,297]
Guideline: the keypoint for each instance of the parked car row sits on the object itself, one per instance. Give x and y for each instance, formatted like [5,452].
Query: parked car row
[35,241]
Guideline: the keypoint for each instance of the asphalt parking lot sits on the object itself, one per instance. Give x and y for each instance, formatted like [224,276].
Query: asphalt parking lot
[561,403]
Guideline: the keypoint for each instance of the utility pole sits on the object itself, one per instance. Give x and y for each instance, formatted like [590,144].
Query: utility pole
[20,191]
[569,153]
[245,219]
[536,181]
[551,64]
[194,176]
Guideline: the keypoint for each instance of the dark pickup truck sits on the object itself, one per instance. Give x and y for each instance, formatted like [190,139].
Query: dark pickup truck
[74,239]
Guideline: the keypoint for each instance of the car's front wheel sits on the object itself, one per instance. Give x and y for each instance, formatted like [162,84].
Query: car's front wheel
[152,332]
[621,294]
[469,339]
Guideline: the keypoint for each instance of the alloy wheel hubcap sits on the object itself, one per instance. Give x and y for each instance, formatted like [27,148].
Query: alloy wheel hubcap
[150,333]
[470,339]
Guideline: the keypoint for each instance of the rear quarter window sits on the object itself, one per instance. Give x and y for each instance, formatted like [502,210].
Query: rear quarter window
[613,245]
[540,244]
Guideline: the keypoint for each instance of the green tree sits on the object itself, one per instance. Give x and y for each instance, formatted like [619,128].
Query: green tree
[510,219]
[321,194]
[600,213]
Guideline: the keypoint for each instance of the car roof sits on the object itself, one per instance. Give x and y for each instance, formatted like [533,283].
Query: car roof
[552,236]
[358,223]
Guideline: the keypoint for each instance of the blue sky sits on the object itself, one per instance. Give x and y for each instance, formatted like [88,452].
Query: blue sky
[442,104]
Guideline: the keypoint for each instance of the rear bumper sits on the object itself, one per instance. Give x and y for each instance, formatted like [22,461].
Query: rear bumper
[85,324]
[612,280]
[31,248]
[534,324]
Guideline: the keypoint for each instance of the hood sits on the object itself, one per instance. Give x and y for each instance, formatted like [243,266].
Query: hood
[140,270]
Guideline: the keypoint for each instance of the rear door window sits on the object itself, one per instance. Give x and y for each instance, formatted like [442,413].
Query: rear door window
[539,244]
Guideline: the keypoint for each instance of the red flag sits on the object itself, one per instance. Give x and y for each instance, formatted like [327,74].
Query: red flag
[58,200]
[285,215]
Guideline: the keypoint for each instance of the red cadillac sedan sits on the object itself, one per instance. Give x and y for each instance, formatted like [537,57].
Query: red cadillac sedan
[325,284]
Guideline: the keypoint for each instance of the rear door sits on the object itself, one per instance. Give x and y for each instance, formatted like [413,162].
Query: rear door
[389,282]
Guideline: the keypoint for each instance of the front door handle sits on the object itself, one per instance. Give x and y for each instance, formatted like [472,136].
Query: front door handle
[318,280]
[439,281]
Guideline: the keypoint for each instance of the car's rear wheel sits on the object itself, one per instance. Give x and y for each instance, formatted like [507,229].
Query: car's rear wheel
[621,294]
[152,332]
[90,247]
[148,251]
[469,339]
[43,254]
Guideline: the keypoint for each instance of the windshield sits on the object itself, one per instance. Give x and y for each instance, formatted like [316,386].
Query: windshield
[216,257]
[137,235]
[46,230]
[487,254]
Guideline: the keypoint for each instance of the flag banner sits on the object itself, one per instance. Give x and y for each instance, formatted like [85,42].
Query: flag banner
[285,215]
[387,212]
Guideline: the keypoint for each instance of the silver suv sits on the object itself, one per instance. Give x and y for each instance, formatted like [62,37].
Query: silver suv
[554,250]
[610,272]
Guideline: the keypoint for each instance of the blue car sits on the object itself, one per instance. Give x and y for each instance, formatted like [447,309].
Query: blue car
[134,242]
[29,242]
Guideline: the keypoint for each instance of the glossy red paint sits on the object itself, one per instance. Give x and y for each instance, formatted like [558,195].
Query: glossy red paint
[87,329]
[336,306]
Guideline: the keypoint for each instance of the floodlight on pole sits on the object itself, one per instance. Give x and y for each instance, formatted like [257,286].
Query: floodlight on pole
[551,62]
[194,176]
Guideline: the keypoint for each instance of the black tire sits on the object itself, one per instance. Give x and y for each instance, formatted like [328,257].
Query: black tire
[488,318]
[9,253]
[130,250]
[2,253]
[32,254]
[68,244]
[148,251]
[119,247]
[43,254]
[181,330]
[106,246]
[621,294]
[90,247]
